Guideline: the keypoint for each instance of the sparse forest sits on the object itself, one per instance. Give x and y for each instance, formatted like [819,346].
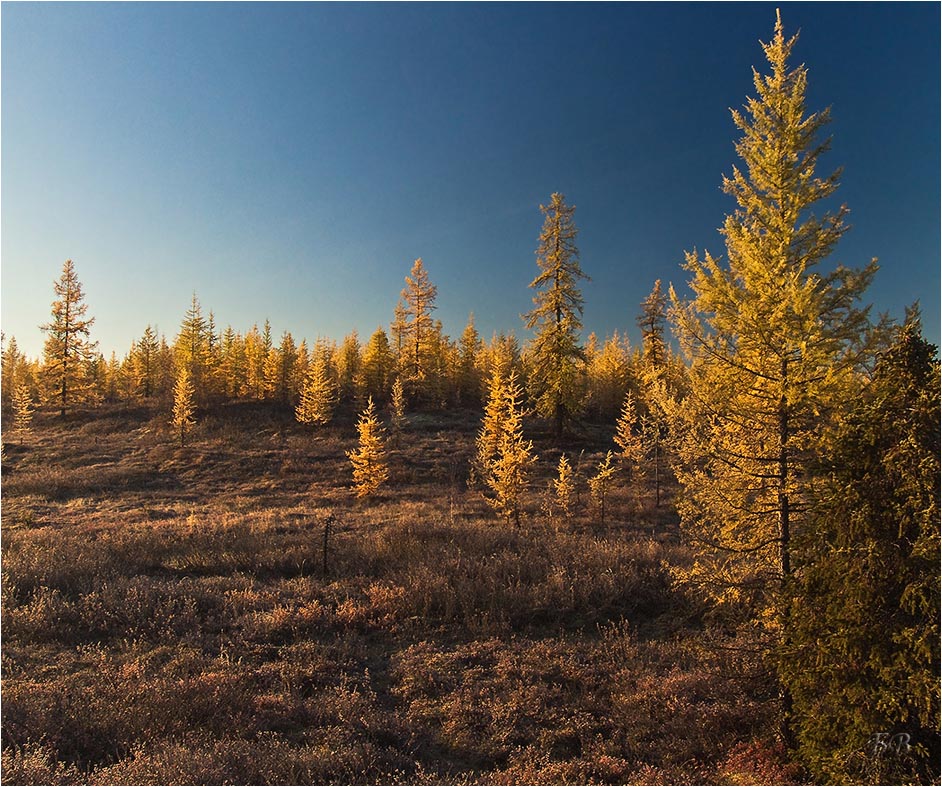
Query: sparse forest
[535,557]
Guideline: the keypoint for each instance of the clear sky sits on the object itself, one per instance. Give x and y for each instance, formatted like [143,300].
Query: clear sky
[290,161]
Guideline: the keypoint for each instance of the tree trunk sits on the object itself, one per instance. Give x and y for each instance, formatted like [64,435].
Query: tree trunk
[657,472]
[784,523]
[783,459]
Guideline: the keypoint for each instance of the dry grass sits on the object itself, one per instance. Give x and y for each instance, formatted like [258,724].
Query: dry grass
[167,619]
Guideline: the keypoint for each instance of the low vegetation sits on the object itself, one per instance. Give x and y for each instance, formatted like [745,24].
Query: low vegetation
[168,618]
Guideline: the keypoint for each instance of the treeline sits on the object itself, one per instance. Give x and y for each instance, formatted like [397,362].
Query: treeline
[803,432]
[436,371]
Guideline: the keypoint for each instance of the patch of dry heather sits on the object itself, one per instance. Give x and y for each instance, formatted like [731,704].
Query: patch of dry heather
[167,619]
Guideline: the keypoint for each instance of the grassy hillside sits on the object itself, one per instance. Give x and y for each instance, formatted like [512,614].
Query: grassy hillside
[167,618]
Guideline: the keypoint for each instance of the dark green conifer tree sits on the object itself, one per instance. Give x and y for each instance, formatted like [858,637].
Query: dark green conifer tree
[862,655]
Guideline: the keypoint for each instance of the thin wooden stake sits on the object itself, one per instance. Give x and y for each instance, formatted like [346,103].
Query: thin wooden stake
[327,523]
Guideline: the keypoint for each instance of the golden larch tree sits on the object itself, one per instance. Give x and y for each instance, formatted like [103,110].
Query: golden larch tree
[22,407]
[370,468]
[502,354]
[651,321]
[377,368]
[507,468]
[564,487]
[468,373]
[319,396]
[492,426]
[12,357]
[417,357]
[191,348]
[14,369]
[231,363]
[599,485]
[772,344]
[628,437]
[397,407]
[183,419]
[67,351]
[398,331]
[608,373]
[279,370]
[144,369]
[349,361]
[556,359]
[257,346]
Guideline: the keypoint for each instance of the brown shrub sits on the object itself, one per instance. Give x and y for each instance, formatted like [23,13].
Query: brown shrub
[36,764]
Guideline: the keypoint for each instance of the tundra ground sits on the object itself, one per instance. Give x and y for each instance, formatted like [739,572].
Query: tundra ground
[168,617]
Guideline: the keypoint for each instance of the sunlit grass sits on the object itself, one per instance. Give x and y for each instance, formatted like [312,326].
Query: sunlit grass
[177,624]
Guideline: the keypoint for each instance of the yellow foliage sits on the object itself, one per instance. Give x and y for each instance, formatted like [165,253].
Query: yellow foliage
[398,406]
[565,487]
[504,453]
[628,441]
[182,419]
[772,345]
[556,359]
[22,407]
[370,470]
[599,483]
[320,392]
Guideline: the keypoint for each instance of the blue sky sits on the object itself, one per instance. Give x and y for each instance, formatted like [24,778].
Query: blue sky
[290,161]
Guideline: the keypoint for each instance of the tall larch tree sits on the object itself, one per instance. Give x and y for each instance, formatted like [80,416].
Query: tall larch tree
[398,331]
[468,382]
[659,376]
[492,425]
[213,383]
[418,297]
[270,373]
[127,390]
[165,370]
[67,351]
[144,363]
[441,367]
[651,321]
[556,357]
[112,380]
[772,345]
[191,348]
[96,379]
